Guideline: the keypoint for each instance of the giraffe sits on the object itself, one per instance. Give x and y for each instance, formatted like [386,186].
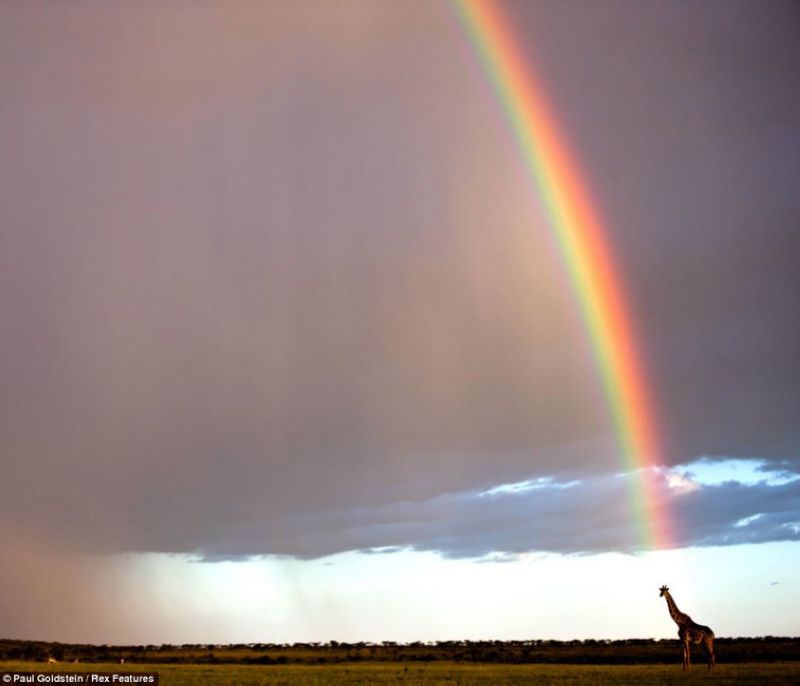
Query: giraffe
[690,632]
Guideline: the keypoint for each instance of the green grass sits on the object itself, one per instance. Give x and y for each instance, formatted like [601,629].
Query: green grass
[439,673]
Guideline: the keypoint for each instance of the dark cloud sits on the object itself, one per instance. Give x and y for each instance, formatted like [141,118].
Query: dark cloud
[272,280]
[734,513]
[588,516]
[591,515]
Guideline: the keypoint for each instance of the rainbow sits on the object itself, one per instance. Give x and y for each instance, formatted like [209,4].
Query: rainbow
[583,243]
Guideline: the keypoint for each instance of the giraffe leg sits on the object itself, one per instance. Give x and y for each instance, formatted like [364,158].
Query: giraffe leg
[712,659]
[685,656]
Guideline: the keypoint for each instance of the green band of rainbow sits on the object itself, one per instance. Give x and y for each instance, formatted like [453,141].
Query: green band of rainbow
[582,241]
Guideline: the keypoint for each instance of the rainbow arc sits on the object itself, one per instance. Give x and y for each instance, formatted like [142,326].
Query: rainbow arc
[583,242]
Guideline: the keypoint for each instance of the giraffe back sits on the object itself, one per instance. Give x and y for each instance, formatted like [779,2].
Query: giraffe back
[695,633]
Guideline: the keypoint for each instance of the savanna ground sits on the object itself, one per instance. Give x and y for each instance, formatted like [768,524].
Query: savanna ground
[763,660]
[436,673]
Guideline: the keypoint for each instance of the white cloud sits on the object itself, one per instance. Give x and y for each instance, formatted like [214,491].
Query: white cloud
[747,521]
[681,483]
[529,485]
[713,471]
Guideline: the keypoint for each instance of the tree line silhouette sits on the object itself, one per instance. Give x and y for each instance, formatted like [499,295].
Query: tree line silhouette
[586,651]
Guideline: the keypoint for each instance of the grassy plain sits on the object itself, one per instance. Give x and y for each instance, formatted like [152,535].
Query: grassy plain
[436,673]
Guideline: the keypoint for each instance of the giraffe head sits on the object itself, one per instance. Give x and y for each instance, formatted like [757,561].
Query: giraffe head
[663,590]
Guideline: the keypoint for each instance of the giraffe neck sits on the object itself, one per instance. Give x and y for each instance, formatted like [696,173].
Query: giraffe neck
[677,616]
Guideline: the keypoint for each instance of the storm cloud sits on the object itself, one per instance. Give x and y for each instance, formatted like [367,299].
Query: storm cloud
[273,281]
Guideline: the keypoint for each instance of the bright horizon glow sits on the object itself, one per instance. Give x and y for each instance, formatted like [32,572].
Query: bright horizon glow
[350,596]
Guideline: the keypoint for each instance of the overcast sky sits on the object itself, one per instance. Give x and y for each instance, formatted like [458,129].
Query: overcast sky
[274,282]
